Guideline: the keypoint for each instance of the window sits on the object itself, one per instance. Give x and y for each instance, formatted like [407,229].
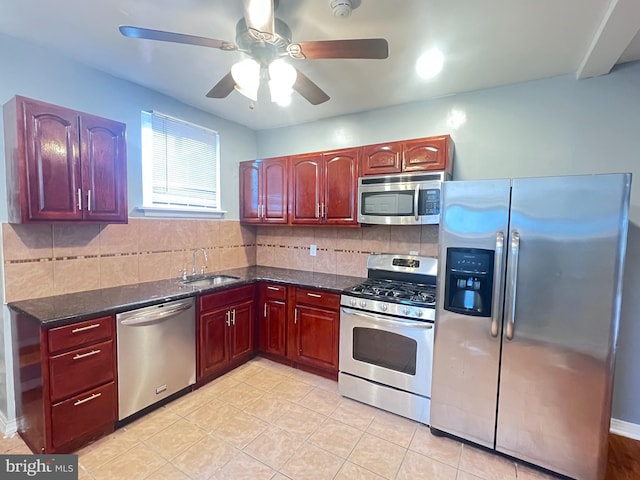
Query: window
[180,166]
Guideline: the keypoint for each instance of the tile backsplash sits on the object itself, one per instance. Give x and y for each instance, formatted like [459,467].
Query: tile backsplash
[43,260]
[340,250]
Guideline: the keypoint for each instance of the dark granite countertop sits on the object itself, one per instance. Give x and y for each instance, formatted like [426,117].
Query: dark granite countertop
[73,307]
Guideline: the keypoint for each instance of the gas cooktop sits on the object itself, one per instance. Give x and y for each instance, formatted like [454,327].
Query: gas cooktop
[393,290]
[398,285]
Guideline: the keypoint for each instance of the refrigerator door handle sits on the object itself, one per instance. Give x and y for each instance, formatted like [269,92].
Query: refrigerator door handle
[512,274]
[497,287]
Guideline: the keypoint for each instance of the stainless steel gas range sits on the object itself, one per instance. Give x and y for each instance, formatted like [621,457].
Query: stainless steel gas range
[386,335]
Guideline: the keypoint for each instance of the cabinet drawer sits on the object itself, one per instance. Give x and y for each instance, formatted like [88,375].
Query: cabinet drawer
[317,298]
[274,292]
[82,414]
[82,333]
[78,370]
[226,297]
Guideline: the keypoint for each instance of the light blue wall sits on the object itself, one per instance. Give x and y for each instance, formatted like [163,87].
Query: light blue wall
[548,127]
[38,73]
[555,126]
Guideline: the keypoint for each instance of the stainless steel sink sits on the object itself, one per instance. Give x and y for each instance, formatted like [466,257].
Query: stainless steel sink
[199,281]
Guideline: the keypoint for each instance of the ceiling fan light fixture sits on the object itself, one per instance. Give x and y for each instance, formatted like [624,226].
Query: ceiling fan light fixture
[246,74]
[282,77]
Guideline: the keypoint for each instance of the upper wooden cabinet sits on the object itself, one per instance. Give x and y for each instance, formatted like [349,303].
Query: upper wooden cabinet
[63,165]
[323,188]
[422,154]
[263,191]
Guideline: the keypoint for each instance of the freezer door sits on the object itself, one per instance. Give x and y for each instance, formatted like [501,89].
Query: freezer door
[563,285]
[467,346]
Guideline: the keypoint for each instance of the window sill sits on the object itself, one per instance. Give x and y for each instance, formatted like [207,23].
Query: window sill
[180,212]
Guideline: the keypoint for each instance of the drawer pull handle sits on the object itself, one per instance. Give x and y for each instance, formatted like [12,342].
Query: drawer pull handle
[83,329]
[273,288]
[84,400]
[88,354]
[314,295]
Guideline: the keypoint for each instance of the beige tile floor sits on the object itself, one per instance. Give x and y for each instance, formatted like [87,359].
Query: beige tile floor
[267,421]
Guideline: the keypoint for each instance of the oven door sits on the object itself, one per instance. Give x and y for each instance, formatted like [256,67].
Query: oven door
[387,350]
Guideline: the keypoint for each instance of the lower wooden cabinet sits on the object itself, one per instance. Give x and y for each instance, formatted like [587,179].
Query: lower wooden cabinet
[315,333]
[225,330]
[272,319]
[79,415]
[65,382]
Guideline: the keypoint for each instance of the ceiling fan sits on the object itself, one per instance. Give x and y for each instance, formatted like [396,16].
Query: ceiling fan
[266,40]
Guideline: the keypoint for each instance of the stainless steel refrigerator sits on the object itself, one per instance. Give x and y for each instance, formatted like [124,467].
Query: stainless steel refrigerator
[529,293]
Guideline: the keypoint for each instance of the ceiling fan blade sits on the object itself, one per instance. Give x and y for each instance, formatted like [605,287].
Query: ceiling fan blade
[309,90]
[374,48]
[161,35]
[223,88]
[260,18]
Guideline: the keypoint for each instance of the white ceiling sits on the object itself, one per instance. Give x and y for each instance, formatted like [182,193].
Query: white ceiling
[486,44]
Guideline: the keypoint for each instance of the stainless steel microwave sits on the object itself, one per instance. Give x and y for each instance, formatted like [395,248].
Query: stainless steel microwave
[400,199]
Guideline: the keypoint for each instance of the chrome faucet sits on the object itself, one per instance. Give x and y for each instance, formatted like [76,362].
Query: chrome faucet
[193,260]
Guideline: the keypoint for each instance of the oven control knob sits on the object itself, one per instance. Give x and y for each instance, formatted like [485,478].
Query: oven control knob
[419,313]
[384,307]
[363,303]
[353,302]
[406,311]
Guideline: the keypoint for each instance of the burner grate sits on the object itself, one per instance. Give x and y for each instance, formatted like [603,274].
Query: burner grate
[390,290]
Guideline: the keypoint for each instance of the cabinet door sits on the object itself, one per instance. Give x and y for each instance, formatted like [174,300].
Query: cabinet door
[317,336]
[250,195]
[104,165]
[426,154]
[382,159]
[274,190]
[214,353]
[272,327]
[241,330]
[341,187]
[305,190]
[52,163]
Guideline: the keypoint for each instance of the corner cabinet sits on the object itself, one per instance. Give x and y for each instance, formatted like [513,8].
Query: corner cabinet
[323,188]
[65,383]
[421,154]
[263,191]
[63,165]
[315,330]
[225,330]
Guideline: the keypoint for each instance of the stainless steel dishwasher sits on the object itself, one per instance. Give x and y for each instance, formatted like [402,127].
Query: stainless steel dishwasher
[156,354]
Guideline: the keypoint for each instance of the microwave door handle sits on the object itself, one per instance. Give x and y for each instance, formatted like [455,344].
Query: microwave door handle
[416,203]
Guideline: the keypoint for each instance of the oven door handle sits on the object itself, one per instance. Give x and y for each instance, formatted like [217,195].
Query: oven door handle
[388,321]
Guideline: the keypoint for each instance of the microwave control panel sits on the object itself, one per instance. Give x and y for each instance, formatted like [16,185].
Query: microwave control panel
[429,200]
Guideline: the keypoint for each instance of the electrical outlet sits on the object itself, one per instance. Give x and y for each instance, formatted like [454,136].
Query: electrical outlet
[312,250]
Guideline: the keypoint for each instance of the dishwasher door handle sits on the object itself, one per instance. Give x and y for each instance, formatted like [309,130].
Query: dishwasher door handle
[155,317]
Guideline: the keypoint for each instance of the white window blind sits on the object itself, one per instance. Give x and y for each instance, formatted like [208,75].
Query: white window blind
[180,163]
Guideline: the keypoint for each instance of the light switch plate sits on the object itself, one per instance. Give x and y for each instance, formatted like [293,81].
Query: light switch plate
[312,250]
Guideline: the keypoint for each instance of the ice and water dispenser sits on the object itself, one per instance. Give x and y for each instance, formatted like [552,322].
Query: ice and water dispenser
[469,281]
